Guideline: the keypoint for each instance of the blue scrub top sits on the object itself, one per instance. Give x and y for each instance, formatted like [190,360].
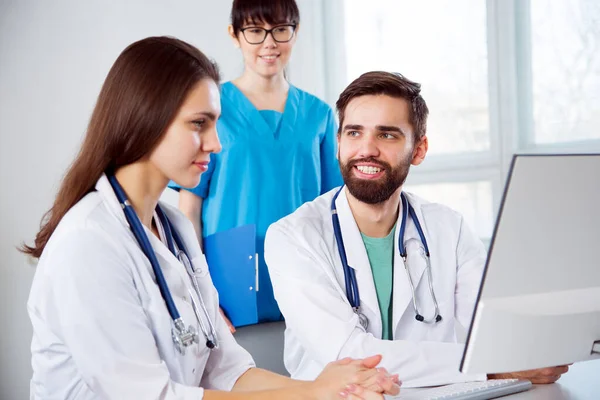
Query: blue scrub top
[271,164]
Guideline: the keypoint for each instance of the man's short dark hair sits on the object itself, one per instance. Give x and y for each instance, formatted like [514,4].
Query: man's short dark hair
[389,84]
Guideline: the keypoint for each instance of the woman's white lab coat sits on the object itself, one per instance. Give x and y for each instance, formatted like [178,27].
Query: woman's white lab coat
[101,329]
[308,281]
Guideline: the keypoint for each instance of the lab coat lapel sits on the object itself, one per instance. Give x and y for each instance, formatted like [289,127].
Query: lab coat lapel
[359,260]
[109,198]
[160,249]
[402,296]
[165,257]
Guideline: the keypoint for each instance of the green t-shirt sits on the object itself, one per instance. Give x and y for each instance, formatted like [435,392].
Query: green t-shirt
[381,257]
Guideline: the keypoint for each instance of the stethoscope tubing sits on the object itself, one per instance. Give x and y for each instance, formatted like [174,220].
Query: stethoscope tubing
[142,238]
[349,274]
[173,239]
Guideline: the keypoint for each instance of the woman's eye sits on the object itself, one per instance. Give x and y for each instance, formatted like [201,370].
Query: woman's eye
[199,123]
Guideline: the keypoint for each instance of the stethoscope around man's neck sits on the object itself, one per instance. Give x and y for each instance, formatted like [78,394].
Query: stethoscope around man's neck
[350,275]
[182,336]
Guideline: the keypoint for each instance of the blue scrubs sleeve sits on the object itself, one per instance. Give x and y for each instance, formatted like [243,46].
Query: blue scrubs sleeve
[331,176]
[202,189]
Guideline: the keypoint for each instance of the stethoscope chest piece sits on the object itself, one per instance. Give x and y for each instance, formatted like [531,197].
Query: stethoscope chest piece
[183,337]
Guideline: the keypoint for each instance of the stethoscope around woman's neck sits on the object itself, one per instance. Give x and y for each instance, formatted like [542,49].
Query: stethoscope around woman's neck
[350,275]
[182,336]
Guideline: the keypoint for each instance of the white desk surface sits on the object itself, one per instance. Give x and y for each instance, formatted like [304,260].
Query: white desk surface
[582,382]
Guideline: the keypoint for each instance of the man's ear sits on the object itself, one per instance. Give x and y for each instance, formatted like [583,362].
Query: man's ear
[420,151]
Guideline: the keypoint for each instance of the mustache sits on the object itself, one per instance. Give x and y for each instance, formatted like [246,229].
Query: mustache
[371,160]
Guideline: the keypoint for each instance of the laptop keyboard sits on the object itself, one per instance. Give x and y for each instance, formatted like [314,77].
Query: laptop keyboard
[489,389]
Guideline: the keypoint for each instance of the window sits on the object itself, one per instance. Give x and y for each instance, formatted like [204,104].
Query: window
[445,49]
[565,60]
[499,77]
[441,47]
[474,199]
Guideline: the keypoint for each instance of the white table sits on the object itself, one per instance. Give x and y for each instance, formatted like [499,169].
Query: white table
[582,382]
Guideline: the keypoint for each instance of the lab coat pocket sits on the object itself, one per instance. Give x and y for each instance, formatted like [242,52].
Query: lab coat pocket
[416,260]
[418,263]
[205,284]
[200,266]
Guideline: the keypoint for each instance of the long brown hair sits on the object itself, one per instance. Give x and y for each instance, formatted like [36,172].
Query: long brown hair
[140,97]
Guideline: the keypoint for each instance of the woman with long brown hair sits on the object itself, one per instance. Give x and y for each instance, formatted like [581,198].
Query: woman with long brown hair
[122,304]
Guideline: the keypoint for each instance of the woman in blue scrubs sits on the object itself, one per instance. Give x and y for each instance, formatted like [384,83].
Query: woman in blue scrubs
[279,148]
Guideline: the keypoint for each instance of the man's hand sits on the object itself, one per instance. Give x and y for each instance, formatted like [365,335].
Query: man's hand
[537,376]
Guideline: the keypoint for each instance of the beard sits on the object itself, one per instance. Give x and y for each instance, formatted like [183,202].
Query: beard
[379,190]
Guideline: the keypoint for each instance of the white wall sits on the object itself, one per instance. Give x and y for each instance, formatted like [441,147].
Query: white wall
[54,57]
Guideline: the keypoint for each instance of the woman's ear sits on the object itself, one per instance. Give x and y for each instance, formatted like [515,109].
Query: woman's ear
[233,37]
[296,33]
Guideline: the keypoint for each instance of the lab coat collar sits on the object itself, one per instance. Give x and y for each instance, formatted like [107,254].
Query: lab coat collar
[358,259]
[109,197]
[104,188]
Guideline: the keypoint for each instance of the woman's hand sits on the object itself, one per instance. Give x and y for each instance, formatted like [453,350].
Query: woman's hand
[382,382]
[354,380]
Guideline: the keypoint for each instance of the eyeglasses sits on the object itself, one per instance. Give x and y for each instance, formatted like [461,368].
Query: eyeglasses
[279,33]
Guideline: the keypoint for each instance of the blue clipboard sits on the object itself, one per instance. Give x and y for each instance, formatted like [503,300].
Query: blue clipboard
[233,265]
